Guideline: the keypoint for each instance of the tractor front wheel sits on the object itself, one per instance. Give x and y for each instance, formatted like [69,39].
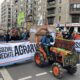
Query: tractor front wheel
[39,59]
[57,70]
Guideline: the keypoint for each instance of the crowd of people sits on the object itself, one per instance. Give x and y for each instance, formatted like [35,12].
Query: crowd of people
[24,34]
[67,35]
[16,34]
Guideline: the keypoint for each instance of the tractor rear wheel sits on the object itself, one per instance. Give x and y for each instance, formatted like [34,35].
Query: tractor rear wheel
[39,59]
[57,70]
[72,69]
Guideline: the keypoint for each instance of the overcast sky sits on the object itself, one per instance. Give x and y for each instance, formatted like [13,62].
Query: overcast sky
[0,9]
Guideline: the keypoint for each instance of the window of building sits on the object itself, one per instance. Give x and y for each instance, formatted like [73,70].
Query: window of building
[75,7]
[9,25]
[9,16]
[50,20]
[75,19]
[9,20]
[51,0]
[16,1]
[9,12]
[78,5]
[51,11]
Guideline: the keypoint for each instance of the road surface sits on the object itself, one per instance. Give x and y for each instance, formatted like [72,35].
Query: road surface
[29,71]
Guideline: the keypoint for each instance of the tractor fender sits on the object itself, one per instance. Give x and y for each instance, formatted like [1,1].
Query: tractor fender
[43,53]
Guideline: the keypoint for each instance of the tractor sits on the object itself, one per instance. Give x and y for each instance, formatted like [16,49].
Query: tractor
[62,55]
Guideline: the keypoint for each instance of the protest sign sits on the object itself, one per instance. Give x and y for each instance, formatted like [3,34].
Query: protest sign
[14,52]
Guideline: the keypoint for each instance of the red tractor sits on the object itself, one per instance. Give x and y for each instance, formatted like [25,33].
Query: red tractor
[62,55]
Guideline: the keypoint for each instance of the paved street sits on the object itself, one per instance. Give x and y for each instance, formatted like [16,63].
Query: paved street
[29,71]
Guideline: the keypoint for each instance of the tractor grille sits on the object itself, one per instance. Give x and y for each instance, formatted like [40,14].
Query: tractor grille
[70,59]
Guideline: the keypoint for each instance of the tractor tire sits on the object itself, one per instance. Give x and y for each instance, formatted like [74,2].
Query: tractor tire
[57,70]
[39,59]
[72,69]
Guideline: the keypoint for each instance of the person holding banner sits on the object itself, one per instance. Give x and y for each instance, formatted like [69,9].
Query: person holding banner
[7,36]
[25,34]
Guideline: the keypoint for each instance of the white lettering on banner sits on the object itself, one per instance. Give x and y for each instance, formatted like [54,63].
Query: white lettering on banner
[15,51]
[77,45]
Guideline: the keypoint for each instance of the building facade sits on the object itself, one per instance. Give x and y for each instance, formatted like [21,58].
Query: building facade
[63,11]
[6,14]
[40,11]
[30,13]
[75,11]
[19,6]
[35,11]
[27,7]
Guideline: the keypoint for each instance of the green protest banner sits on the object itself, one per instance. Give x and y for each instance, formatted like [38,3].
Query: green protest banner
[21,18]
